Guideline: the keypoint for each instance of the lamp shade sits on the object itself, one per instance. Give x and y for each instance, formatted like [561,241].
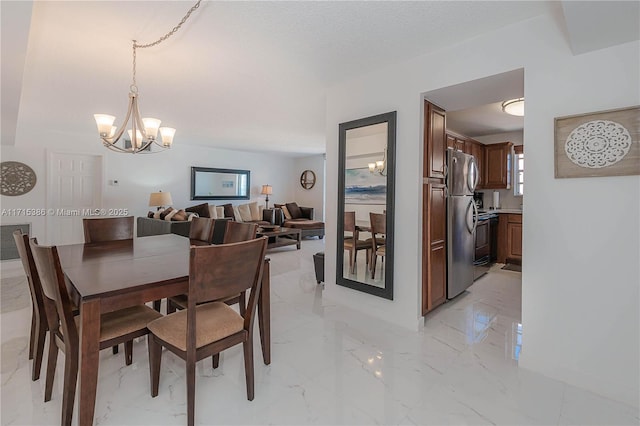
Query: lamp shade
[266,190]
[159,199]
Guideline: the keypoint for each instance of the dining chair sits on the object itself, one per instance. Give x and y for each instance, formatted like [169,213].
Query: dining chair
[103,229]
[378,239]
[39,325]
[234,232]
[216,272]
[98,230]
[116,327]
[201,230]
[352,242]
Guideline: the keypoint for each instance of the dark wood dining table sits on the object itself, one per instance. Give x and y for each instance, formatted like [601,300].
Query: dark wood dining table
[105,277]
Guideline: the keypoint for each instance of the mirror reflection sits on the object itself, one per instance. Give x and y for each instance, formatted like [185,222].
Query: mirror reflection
[366,204]
[219,184]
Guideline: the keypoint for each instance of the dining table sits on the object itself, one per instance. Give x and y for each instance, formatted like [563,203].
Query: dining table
[108,276]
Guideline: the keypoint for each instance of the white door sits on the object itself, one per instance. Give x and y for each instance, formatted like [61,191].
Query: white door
[74,188]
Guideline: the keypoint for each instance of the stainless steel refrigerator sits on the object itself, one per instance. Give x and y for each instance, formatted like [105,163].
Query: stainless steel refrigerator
[462,178]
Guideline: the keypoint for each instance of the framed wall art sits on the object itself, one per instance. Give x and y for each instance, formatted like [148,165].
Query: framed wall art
[17,178]
[605,143]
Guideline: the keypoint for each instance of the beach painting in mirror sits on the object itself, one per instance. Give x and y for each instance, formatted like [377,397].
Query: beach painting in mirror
[364,187]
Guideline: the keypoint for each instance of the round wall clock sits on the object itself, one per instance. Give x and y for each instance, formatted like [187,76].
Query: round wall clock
[308,179]
[16,178]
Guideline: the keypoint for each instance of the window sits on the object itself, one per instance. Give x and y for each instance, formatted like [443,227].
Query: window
[519,171]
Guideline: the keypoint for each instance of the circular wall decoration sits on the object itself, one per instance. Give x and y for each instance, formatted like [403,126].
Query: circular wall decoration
[17,178]
[597,144]
[308,179]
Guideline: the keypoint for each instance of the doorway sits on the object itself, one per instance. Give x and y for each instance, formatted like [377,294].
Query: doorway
[74,190]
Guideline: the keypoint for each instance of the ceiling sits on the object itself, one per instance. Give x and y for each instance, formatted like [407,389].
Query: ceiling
[240,75]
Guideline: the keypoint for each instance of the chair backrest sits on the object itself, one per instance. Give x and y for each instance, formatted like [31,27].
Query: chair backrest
[378,224]
[201,229]
[350,222]
[236,232]
[35,288]
[54,288]
[222,271]
[98,230]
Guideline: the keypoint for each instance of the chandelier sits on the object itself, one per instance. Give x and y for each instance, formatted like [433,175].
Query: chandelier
[380,166]
[143,132]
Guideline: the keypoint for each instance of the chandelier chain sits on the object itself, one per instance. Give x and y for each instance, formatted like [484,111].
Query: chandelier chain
[175,29]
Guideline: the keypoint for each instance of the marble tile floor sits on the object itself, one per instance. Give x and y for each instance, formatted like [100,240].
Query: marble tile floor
[332,366]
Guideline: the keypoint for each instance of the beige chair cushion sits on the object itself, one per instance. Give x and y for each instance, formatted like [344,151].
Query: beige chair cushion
[124,321]
[245,212]
[214,321]
[255,211]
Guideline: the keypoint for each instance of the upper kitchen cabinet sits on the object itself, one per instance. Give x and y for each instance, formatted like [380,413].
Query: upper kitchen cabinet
[456,142]
[497,164]
[435,150]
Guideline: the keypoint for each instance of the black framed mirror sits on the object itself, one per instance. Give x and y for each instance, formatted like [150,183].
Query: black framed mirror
[366,190]
[220,184]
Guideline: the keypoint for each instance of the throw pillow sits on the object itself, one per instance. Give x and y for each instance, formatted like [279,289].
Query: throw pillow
[157,214]
[150,215]
[285,211]
[255,211]
[219,212]
[245,212]
[201,209]
[228,210]
[190,216]
[181,215]
[294,210]
[213,212]
[165,212]
[171,214]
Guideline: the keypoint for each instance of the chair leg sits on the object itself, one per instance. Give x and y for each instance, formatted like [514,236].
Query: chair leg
[374,258]
[243,303]
[70,380]
[128,352]
[32,337]
[248,366]
[41,334]
[155,357]
[51,367]
[157,304]
[114,349]
[171,307]
[215,360]
[191,391]
[350,261]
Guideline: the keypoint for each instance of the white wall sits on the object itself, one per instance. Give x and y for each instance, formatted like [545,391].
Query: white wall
[581,240]
[139,175]
[313,197]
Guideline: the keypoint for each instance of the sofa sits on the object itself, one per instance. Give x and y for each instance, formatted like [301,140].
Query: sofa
[290,215]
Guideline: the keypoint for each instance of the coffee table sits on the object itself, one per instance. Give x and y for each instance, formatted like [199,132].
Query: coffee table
[280,237]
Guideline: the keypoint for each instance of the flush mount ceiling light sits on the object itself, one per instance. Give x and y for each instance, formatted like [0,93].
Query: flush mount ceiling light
[514,107]
[143,131]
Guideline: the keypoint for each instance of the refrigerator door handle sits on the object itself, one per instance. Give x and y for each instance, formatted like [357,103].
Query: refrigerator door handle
[471,227]
[472,175]
[475,216]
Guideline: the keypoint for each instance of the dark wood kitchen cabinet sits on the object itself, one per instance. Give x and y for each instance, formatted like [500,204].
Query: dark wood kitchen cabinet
[435,150]
[434,248]
[434,209]
[510,238]
[497,163]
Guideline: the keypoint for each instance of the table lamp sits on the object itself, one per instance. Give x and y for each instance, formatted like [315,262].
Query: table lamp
[160,199]
[266,190]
